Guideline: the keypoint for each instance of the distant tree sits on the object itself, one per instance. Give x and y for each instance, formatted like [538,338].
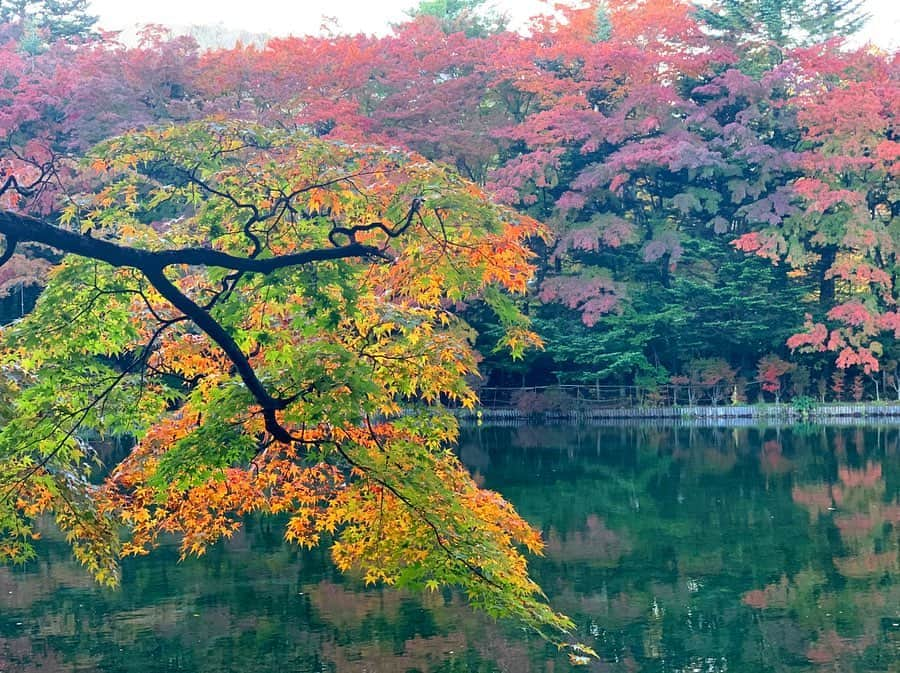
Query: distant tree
[844,209]
[858,389]
[770,369]
[786,23]
[712,377]
[56,19]
[837,384]
[471,17]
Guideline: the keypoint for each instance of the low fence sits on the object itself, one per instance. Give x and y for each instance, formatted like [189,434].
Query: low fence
[613,396]
[711,413]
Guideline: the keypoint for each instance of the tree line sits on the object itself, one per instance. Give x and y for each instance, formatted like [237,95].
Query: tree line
[249,260]
[719,185]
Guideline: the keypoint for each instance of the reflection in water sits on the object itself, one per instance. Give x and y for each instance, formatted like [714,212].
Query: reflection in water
[673,548]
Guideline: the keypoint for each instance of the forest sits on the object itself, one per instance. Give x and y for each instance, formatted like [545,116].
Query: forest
[718,189]
[253,261]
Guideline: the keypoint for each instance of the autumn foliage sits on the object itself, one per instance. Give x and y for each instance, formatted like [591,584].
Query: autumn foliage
[654,146]
[259,348]
[276,252]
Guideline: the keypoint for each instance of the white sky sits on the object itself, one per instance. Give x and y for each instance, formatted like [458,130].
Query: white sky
[282,17]
[275,17]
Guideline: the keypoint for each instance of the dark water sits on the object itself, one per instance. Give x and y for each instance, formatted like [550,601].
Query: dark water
[674,549]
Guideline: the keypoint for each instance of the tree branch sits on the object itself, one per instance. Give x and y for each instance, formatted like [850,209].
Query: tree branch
[11,243]
[23,228]
[218,334]
[152,263]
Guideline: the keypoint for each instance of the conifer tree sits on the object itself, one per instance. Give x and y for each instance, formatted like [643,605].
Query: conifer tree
[786,23]
[55,19]
[471,17]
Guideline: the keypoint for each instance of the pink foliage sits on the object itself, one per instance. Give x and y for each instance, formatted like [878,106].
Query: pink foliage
[666,243]
[593,297]
[862,357]
[853,313]
[890,320]
[514,179]
[21,270]
[859,272]
[587,238]
[888,151]
[811,339]
[711,371]
[604,230]
[865,239]
[770,369]
[749,242]
[616,183]
[836,340]
[618,231]
[769,245]
[821,196]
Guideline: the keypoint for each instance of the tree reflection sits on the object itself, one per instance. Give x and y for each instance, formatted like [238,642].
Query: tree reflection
[675,549]
[748,549]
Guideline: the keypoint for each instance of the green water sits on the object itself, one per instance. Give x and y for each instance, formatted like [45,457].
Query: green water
[674,549]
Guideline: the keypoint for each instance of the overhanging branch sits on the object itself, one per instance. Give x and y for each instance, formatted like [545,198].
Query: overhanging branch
[18,228]
[22,228]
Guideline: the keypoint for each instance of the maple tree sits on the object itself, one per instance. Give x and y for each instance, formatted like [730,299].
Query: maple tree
[770,370]
[647,163]
[712,377]
[255,308]
[847,191]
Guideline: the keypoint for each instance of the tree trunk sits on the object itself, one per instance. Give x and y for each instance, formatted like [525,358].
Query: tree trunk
[827,285]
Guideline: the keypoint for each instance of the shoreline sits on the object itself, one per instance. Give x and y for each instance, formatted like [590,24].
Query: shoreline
[755,412]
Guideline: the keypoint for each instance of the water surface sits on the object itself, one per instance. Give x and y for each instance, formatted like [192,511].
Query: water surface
[673,548]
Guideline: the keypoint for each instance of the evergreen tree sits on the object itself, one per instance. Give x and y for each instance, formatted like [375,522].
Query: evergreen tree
[785,23]
[471,17]
[54,19]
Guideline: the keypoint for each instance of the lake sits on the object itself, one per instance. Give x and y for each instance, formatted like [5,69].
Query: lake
[674,549]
